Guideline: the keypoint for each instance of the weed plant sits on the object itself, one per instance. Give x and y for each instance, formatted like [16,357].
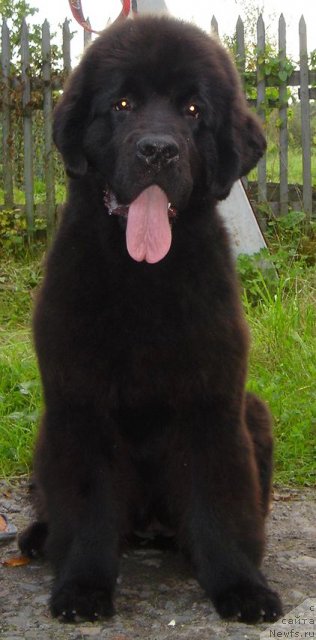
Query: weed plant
[280,306]
[20,396]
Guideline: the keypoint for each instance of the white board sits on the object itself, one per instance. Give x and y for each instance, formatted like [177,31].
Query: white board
[241,222]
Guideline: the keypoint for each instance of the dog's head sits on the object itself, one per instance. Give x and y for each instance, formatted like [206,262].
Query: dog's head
[157,103]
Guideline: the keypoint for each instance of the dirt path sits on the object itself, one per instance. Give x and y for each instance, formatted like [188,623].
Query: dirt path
[157,598]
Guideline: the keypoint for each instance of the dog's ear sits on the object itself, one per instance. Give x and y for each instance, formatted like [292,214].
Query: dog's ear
[240,144]
[249,137]
[70,117]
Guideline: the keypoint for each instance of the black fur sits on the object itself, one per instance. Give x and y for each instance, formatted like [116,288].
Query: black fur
[144,365]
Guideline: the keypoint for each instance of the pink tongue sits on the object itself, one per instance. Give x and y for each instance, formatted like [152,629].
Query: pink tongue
[148,233]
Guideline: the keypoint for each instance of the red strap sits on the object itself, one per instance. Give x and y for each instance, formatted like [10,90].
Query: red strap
[76,10]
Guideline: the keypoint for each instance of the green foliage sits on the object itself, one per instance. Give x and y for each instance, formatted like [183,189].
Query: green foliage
[273,66]
[39,193]
[13,231]
[20,273]
[270,65]
[20,401]
[276,70]
[279,296]
[312,59]
[20,395]
[15,11]
[283,369]
[292,249]
[295,169]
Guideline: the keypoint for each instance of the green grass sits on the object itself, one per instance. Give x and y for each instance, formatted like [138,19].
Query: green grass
[282,319]
[20,396]
[19,402]
[39,194]
[283,370]
[295,167]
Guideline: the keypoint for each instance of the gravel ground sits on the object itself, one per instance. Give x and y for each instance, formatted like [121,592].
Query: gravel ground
[157,598]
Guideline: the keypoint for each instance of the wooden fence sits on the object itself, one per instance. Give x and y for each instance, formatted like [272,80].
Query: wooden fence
[30,94]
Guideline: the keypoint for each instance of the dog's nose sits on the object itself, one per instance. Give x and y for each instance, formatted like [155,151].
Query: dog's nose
[157,150]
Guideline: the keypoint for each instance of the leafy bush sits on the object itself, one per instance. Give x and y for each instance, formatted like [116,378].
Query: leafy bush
[13,229]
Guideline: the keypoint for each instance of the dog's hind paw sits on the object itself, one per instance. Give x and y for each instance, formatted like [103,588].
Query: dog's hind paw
[32,540]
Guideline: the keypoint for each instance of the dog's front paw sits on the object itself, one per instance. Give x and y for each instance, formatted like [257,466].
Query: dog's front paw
[72,601]
[249,603]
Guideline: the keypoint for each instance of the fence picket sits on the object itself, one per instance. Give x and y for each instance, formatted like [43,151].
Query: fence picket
[66,48]
[87,35]
[48,117]
[261,94]
[241,62]
[214,26]
[305,117]
[6,118]
[240,48]
[283,136]
[27,130]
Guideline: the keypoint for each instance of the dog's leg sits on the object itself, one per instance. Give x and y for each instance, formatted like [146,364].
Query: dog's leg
[74,469]
[259,424]
[215,487]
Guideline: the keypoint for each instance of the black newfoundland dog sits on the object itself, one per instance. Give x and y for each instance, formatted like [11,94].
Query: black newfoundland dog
[139,332]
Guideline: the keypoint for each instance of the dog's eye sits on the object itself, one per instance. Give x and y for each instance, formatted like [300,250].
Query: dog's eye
[122,105]
[192,110]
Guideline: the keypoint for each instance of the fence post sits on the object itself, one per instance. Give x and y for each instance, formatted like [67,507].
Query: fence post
[27,130]
[283,136]
[48,118]
[66,48]
[305,118]
[240,49]
[6,118]
[261,96]
[214,26]
[241,64]
[87,35]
